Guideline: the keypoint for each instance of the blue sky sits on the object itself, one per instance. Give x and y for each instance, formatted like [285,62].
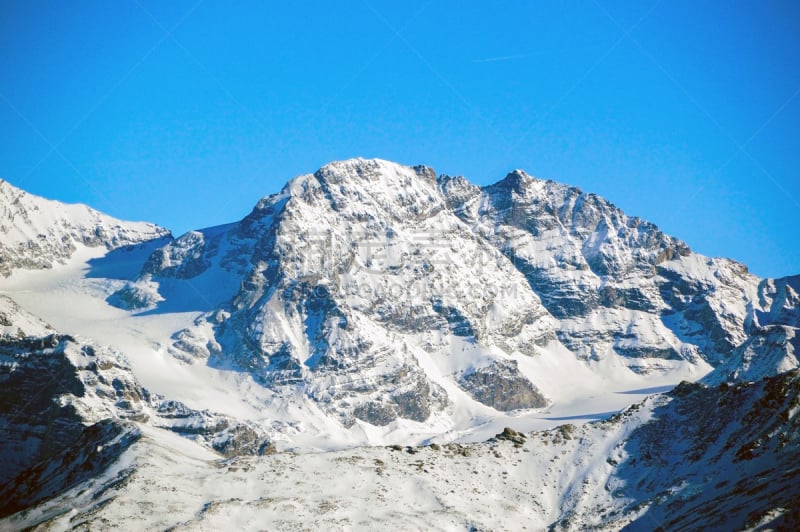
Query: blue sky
[185,113]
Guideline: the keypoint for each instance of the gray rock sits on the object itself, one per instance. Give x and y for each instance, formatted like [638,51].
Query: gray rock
[501,386]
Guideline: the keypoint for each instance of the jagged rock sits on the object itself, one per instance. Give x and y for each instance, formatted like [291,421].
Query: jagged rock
[780,301]
[376,413]
[768,351]
[501,386]
[511,435]
[133,296]
[590,263]
[318,248]
[88,452]
[34,373]
[514,266]
[183,258]
[71,384]
[242,440]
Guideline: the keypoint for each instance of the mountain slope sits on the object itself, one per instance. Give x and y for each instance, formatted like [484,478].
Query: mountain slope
[354,290]
[617,283]
[60,394]
[36,233]
[654,466]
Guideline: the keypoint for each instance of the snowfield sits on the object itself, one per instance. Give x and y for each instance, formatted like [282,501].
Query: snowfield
[637,469]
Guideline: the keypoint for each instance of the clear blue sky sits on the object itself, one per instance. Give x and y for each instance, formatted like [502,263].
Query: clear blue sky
[185,113]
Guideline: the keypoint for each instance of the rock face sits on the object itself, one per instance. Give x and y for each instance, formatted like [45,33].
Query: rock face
[716,457]
[87,454]
[768,351]
[349,277]
[617,284]
[37,234]
[183,258]
[143,294]
[501,386]
[779,302]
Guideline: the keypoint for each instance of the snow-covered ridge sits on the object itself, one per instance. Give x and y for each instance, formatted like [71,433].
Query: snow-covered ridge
[36,233]
[370,265]
[372,304]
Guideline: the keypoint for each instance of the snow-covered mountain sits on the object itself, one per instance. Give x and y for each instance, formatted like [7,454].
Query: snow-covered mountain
[36,233]
[383,292]
[376,304]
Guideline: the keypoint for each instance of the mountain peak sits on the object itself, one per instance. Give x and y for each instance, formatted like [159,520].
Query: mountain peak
[371,304]
[359,169]
[516,181]
[7,188]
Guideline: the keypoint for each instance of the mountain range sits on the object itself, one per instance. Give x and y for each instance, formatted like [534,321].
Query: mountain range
[379,343]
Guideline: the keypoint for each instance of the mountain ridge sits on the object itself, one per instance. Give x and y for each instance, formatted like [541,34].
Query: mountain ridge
[371,304]
[382,293]
[38,233]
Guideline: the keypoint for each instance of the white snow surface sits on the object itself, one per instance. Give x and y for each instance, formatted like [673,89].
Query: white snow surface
[632,469]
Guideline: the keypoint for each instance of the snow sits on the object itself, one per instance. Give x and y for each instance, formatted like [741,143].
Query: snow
[25,217]
[397,220]
[72,298]
[571,478]
[16,322]
[40,233]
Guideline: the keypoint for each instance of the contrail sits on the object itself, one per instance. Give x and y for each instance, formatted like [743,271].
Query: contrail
[505,57]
